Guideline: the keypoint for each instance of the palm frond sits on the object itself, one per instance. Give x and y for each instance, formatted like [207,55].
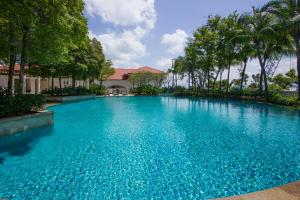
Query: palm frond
[271,4]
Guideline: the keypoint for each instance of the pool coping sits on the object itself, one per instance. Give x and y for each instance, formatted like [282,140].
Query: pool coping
[289,191]
[13,125]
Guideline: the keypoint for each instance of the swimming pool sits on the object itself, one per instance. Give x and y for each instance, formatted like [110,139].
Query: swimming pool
[153,147]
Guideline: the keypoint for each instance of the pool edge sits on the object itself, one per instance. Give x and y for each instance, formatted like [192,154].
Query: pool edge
[13,125]
[289,191]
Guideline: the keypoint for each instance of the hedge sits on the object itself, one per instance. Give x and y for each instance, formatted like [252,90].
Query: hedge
[19,104]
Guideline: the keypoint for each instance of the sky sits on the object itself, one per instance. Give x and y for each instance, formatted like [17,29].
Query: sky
[137,33]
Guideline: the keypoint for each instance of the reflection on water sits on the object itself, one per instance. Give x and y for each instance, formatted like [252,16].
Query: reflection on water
[22,143]
[262,108]
[153,148]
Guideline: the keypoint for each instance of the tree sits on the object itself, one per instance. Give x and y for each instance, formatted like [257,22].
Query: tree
[285,81]
[9,34]
[95,59]
[292,75]
[41,32]
[288,15]
[106,71]
[205,43]
[228,30]
[267,41]
[245,47]
[191,62]
[141,79]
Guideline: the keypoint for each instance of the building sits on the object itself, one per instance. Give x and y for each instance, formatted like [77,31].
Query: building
[35,85]
[119,83]
[31,85]
[115,84]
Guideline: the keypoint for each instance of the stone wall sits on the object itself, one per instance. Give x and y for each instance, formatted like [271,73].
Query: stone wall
[12,125]
[65,99]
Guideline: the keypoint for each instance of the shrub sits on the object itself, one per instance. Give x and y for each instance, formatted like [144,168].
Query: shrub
[146,90]
[68,91]
[19,104]
[178,89]
[283,100]
[98,90]
[247,94]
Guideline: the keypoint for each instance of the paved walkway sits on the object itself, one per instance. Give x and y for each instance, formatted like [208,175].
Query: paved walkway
[286,192]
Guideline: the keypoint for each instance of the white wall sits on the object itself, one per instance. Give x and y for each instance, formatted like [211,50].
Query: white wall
[3,81]
[124,83]
[32,88]
[34,85]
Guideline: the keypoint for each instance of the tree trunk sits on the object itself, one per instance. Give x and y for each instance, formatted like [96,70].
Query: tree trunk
[52,85]
[12,57]
[228,77]
[23,62]
[12,62]
[60,86]
[243,74]
[208,81]
[263,75]
[189,80]
[193,79]
[220,85]
[73,82]
[261,81]
[298,64]
[215,79]
[266,85]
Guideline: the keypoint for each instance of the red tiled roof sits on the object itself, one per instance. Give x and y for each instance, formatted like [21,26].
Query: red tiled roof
[4,69]
[121,73]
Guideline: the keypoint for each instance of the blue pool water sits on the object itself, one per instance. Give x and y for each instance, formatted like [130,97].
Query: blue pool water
[152,148]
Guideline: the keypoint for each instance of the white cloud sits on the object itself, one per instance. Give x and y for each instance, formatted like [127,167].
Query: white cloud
[175,41]
[123,48]
[124,12]
[164,63]
[137,17]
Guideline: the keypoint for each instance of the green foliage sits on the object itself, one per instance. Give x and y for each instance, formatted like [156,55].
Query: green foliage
[283,81]
[228,41]
[67,91]
[283,100]
[19,104]
[146,90]
[106,71]
[141,79]
[287,17]
[98,90]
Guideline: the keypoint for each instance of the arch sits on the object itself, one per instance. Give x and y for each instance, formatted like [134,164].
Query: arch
[116,86]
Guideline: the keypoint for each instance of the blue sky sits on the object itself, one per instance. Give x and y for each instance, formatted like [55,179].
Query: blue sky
[151,32]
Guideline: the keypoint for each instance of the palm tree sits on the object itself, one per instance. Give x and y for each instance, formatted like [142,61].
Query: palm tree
[244,46]
[227,31]
[288,13]
[266,40]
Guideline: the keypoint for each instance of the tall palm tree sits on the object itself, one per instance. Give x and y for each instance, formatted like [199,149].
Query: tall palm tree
[245,46]
[266,40]
[227,31]
[288,13]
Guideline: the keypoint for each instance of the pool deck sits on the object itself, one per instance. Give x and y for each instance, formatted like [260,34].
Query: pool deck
[286,192]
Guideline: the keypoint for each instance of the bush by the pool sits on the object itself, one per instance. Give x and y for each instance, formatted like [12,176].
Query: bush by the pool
[19,104]
[67,91]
